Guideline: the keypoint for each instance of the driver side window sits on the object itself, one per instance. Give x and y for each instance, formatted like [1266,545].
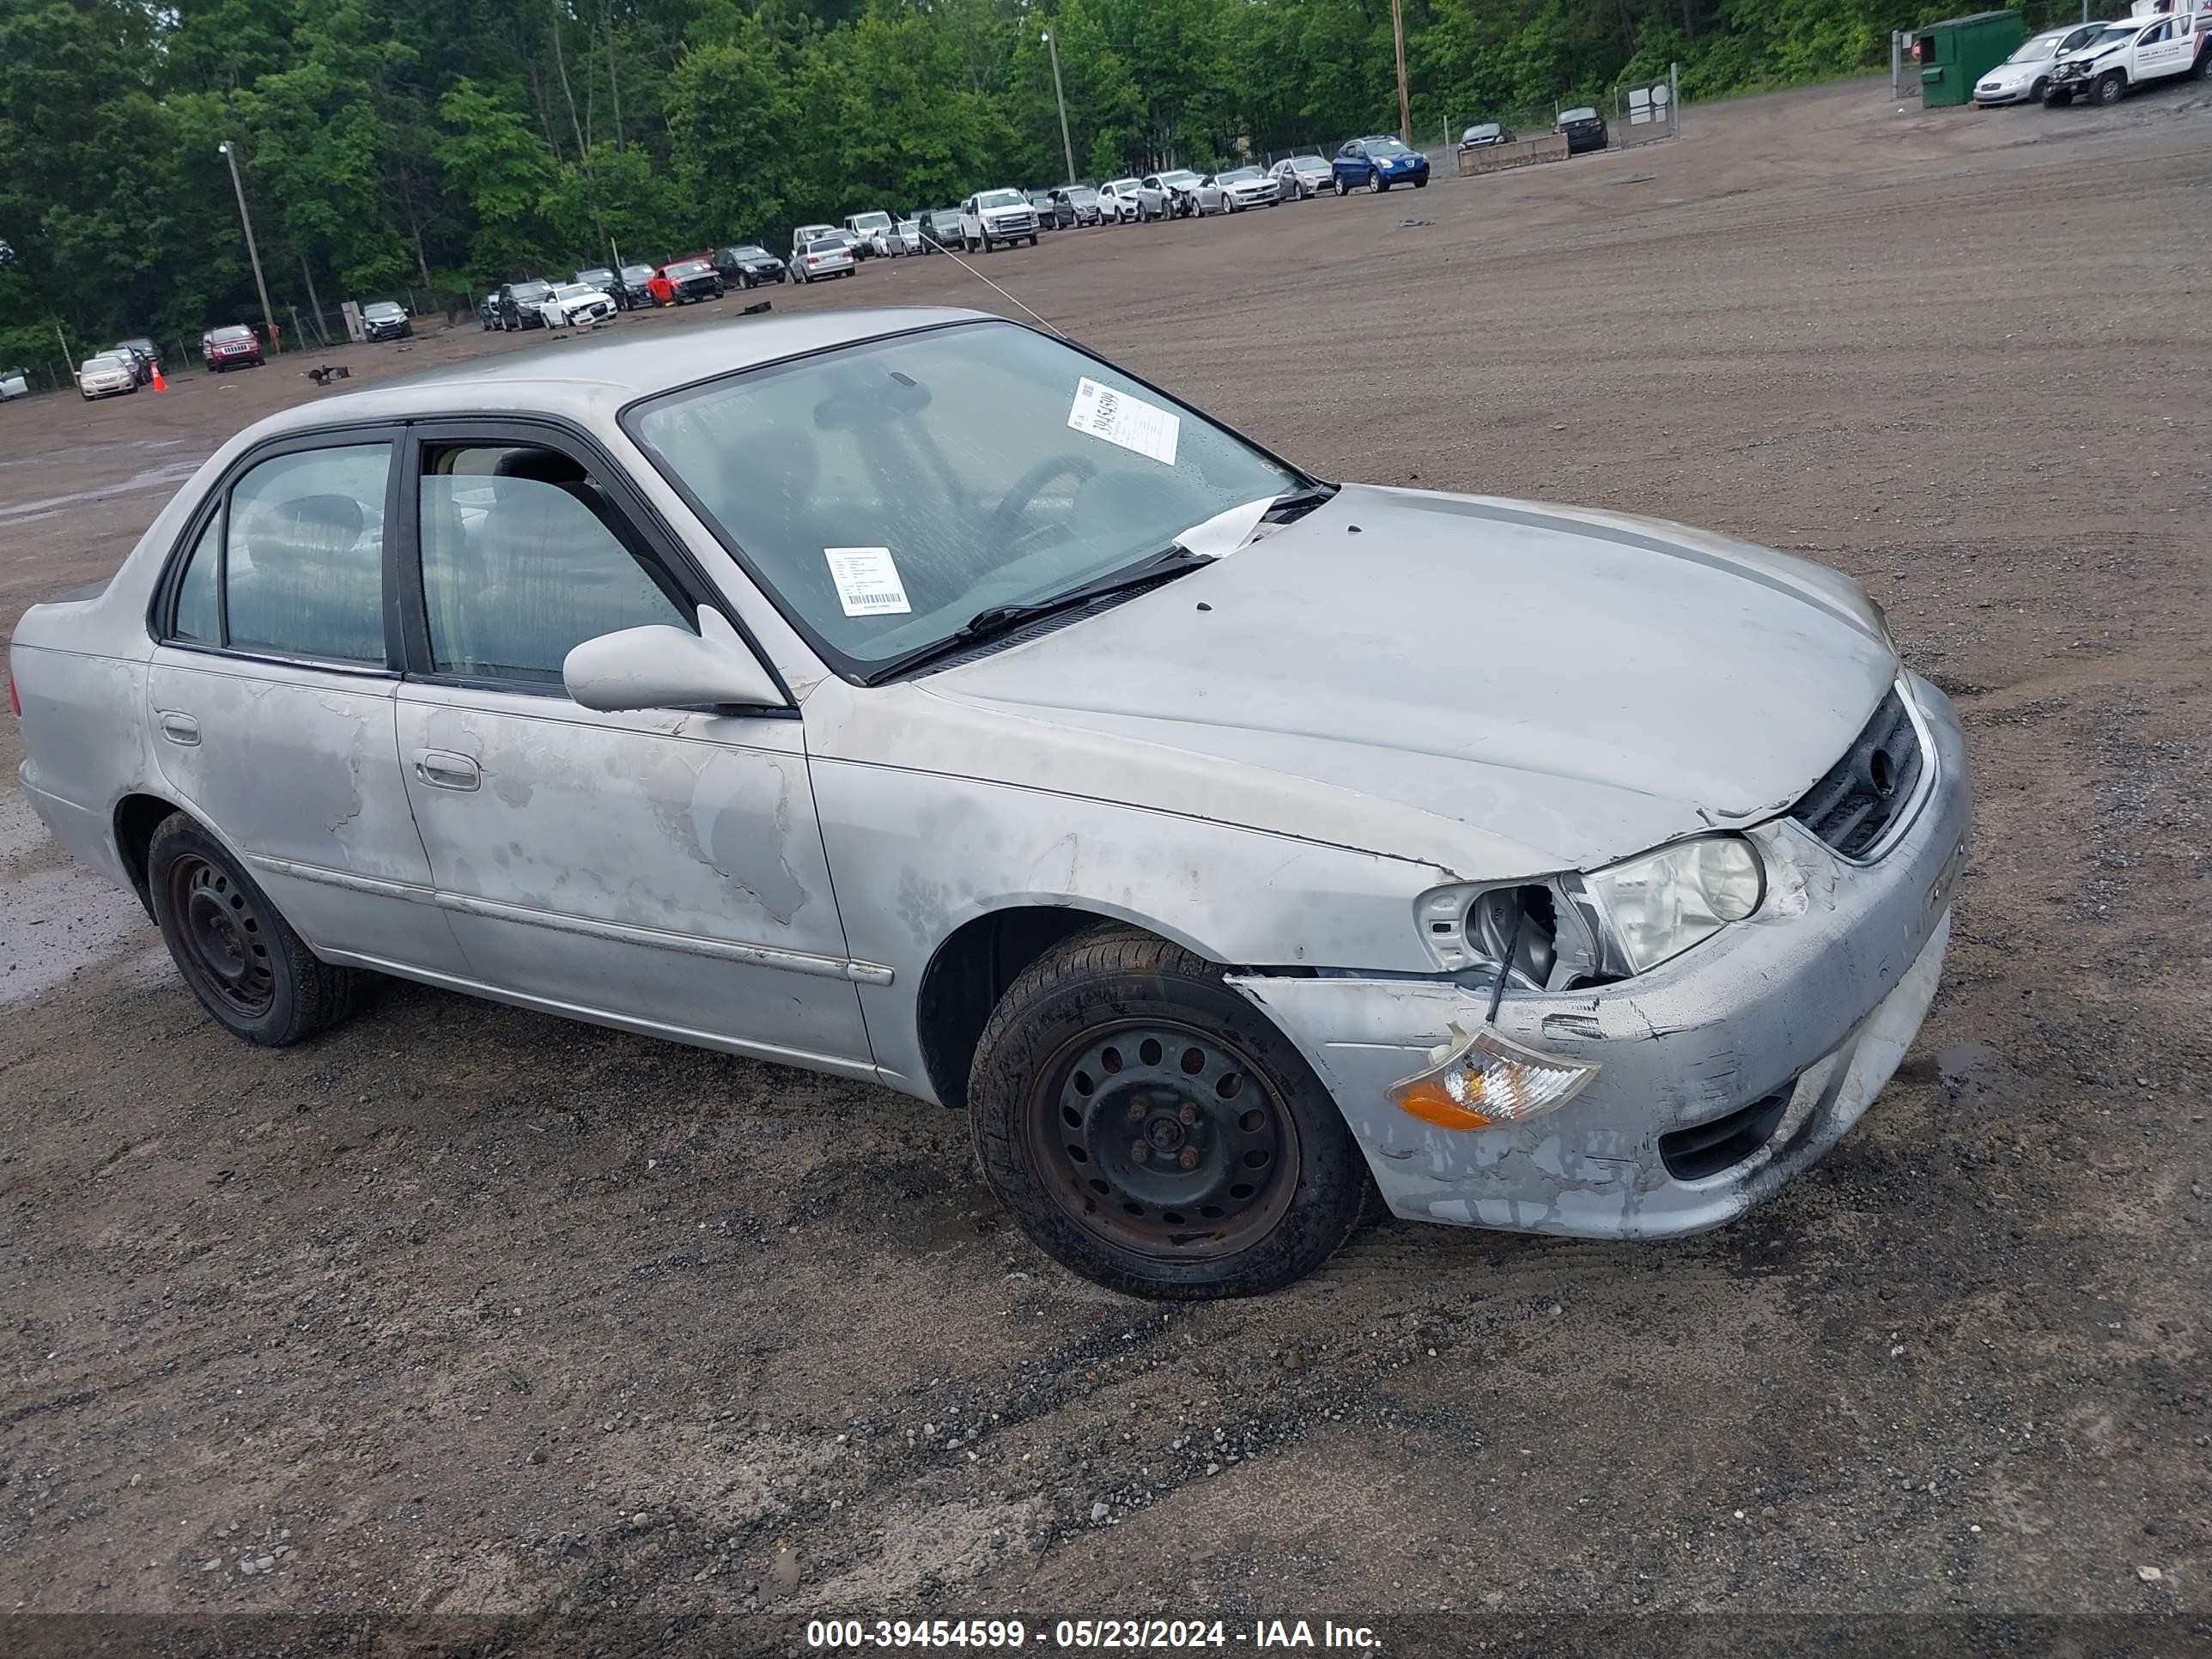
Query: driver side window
[526,556]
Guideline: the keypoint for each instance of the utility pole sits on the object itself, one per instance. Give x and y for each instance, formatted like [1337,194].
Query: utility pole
[1065,147]
[1404,104]
[253,253]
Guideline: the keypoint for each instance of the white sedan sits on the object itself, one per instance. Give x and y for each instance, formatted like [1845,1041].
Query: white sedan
[572,305]
[2023,77]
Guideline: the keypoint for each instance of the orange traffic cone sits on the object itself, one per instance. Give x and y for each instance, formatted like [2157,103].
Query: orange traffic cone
[160,385]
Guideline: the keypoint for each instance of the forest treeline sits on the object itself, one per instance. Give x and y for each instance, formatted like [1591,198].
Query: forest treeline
[438,146]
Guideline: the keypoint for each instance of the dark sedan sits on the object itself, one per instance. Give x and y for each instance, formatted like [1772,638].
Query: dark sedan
[1071,205]
[517,304]
[747,265]
[145,356]
[632,288]
[383,319]
[1584,128]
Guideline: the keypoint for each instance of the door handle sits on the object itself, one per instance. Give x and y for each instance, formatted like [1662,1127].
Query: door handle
[179,728]
[441,769]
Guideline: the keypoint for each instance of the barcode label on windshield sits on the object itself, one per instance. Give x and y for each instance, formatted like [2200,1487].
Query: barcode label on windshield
[1119,418]
[867,581]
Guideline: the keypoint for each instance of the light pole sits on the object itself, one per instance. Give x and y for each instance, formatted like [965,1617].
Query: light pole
[1404,110]
[252,252]
[1065,147]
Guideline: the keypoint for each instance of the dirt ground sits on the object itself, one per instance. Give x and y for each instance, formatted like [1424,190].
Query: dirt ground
[462,1310]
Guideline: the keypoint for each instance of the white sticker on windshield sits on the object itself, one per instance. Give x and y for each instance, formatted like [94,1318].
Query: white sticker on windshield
[868,583]
[1121,419]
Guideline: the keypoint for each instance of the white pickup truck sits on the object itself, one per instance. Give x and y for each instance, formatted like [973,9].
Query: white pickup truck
[2160,40]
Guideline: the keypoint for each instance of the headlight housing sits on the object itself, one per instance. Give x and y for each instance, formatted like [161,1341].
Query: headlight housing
[1658,906]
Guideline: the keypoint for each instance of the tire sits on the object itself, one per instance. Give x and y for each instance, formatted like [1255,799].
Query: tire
[1033,239]
[1269,1161]
[2041,89]
[1377,183]
[241,959]
[1341,188]
[1420,184]
[2057,99]
[2112,86]
[2203,67]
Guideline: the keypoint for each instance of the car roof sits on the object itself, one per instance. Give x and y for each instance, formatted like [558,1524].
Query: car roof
[591,378]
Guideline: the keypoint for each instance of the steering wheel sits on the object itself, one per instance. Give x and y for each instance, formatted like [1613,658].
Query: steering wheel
[1006,517]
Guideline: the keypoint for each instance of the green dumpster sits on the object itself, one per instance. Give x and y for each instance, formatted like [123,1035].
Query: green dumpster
[1958,52]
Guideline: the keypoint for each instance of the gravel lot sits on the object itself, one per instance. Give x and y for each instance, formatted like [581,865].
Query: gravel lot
[464,1311]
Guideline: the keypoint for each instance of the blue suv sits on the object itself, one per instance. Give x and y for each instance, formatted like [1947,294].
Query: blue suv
[1376,164]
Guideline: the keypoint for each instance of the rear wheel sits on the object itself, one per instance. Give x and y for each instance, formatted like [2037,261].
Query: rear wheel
[1341,187]
[241,957]
[2112,86]
[1151,1130]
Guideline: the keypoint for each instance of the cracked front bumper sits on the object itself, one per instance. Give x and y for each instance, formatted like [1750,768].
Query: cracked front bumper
[1820,994]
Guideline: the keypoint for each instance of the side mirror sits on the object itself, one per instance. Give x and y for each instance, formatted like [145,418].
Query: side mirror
[664,667]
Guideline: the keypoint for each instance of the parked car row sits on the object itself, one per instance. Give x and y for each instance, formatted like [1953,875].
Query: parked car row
[2102,63]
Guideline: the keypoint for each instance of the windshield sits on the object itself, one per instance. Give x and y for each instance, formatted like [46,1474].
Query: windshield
[887,492]
[1385,149]
[2036,50]
[688,268]
[2116,32]
[1487,131]
[95,365]
[1238,177]
[871,221]
[749,251]
[381,308]
[1181,176]
[637,273]
[1585,113]
[1083,196]
[999,198]
[1122,186]
[532,290]
[598,279]
[235,332]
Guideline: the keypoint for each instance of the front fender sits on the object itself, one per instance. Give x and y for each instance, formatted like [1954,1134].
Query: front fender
[915,855]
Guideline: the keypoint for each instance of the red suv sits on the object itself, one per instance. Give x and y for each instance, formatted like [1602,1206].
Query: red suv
[235,347]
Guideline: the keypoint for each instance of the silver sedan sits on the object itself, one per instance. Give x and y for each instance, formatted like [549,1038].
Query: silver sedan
[1300,177]
[1107,778]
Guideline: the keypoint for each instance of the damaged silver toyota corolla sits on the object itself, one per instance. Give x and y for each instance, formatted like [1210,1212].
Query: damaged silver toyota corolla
[913,697]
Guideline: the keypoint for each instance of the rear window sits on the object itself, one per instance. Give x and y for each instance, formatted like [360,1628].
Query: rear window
[827,245]
[1584,114]
[688,268]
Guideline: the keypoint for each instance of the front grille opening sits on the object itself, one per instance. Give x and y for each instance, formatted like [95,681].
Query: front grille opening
[1706,1149]
[1853,807]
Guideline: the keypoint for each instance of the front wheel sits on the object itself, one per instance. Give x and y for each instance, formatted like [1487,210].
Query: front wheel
[1377,183]
[1151,1130]
[241,957]
[1420,184]
[2112,86]
[2041,89]
[2057,99]
[1032,239]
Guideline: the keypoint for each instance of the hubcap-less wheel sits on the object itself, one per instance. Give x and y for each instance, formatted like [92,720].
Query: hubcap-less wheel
[224,936]
[1163,1140]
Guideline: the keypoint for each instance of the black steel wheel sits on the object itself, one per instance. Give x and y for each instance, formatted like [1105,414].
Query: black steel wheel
[2112,86]
[1151,1130]
[241,959]
[1162,1138]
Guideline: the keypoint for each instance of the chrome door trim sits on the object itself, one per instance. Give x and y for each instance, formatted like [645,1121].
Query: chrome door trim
[762,956]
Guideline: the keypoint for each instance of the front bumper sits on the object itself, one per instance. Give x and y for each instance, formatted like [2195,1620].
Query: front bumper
[1818,995]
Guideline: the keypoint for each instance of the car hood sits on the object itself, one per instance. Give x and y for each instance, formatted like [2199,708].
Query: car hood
[1497,688]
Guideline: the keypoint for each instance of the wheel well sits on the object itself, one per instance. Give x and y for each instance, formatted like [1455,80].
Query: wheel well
[136,818]
[971,972]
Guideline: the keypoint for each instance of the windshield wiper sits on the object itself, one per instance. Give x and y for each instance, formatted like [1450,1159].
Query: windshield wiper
[993,620]
[1295,504]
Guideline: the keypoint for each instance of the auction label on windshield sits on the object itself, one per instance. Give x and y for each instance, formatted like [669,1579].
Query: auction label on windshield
[868,583]
[1121,419]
